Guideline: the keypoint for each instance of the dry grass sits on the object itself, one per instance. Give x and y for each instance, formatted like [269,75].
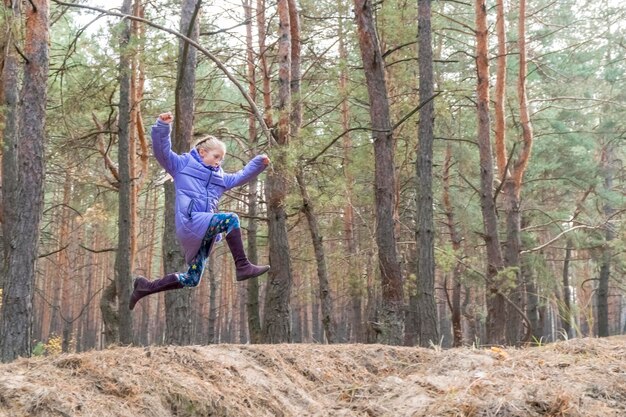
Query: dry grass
[580,377]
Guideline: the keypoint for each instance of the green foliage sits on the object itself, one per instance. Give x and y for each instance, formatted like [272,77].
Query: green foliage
[39,349]
[446,258]
[507,278]
[51,347]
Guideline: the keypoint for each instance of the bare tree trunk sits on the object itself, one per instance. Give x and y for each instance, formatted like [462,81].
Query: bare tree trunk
[511,204]
[307,205]
[567,314]
[63,268]
[532,310]
[252,296]
[10,116]
[512,248]
[123,273]
[178,303]
[135,132]
[276,321]
[265,72]
[316,328]
[252,285]
[455,239]
[500,94]
[322,272]
[425,231]
[17,297]
[602,294]
[355,280]
[496,304]
[148,305]
[392,314]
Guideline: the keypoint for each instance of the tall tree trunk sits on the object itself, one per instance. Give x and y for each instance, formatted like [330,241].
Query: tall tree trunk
[276,321]
[425,231]
[147,307]
[307,205]
[533,312]
[252,285]
[316,328]
[136,137]
[325,295]
[17,297]
[455,239]
[392,314]
[602,294]
[9,92]
[65,275]
[567,314]
[356,285]
[123,271]
[511,203]
[500,94]
[265,72]
[496,304]
[512,261]
[514,217]
[178,303]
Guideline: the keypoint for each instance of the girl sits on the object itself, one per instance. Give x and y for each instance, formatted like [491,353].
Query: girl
[199,182]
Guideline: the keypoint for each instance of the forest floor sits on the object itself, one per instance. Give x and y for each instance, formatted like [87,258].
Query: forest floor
[579,377]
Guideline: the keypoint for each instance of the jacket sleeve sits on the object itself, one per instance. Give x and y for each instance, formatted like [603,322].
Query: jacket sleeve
[162,148]
[251,170]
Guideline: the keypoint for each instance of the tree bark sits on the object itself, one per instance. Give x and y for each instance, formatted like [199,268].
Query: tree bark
[307,204]
[500,94]
[392,314]
[23,237]
[355,280]
[455,239]
[320,258]
[602,294]
[496,304]
[123,273]
[64,273]
[252,285]
[178,303]
[567,314]
[425,231]
[10,98]
[276,321]
[265,72]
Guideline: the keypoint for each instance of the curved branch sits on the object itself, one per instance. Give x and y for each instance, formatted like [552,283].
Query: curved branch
[193,43]
[557,237]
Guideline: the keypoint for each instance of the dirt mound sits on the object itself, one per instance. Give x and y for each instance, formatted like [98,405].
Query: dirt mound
[580,377]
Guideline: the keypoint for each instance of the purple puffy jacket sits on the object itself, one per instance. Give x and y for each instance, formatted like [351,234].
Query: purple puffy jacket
[198,187]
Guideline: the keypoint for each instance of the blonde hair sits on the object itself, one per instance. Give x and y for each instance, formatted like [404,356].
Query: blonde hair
[209,143]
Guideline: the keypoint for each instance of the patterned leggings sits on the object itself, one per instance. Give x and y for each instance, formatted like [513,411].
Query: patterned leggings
[220,222]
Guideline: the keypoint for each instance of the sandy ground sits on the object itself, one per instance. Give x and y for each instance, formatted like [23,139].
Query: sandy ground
[580,377]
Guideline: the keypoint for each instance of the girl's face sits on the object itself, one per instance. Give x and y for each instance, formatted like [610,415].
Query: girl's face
[211,157]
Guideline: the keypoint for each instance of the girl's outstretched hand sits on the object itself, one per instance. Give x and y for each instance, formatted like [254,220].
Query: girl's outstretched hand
[166,117]
[266,160]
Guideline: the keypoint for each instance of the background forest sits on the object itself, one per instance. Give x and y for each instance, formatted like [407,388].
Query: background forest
[533,95]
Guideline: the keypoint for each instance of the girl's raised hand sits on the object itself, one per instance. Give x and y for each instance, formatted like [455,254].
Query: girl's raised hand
[166,117]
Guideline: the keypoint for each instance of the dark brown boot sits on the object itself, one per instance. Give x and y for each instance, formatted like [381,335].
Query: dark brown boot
[143,287]
[245,270]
